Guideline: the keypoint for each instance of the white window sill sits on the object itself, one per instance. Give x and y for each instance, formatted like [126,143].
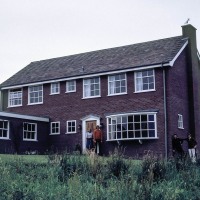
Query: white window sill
[117,94]
[92,97]
[70,133]
[54,93]
[27,140]
[70,91]
[31,104]
[1,138]
[128,139]
[14,106]
[145,91]
[54,134]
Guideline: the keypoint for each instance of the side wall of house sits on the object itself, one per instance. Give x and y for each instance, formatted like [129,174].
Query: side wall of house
[178,99]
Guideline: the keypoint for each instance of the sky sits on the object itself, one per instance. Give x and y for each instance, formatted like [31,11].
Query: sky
[33,30]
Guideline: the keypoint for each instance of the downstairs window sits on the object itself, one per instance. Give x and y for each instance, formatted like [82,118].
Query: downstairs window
[132,126]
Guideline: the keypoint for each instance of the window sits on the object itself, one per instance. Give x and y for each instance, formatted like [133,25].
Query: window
[36,94]
[4,129]
[29,131]
[144,81]
[55,88]
[91,87]
[132,126]
[180,121]
[117,84]
[15,97]
[55,128]
[71,86]
[71,126]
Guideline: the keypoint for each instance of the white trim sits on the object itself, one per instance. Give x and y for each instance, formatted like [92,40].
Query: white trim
[35,132]
[51,88]
[88,76]
[148,90]
[8,130]
[121,93]
[171,63]
[132,113]
[58,122]
[19,116]
[198,55]
[69,91]
[29,103]
[83,83]
[73,132]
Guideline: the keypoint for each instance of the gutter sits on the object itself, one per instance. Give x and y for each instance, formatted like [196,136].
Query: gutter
[165,112]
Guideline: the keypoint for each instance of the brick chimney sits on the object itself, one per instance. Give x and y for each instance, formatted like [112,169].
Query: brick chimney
[189,31]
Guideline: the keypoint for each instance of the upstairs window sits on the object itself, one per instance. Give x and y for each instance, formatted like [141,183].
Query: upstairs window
[71,126]
[71,86]
[144,81]
[55,128]
[132,126]
[36,94]
[55,88]
[91,87]
[29,131]
[180,121]
[4,129]
[15,97]
[117,84]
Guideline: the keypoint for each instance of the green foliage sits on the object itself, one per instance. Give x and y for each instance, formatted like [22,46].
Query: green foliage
[92,177]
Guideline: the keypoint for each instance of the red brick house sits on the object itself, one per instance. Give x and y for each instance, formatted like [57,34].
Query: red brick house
[139,94]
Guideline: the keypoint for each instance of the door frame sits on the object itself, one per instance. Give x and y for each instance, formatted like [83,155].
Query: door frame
[84,120]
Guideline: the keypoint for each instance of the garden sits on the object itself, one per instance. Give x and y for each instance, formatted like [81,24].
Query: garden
[91,177]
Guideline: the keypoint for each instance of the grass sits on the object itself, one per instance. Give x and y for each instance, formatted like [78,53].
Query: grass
[94,178]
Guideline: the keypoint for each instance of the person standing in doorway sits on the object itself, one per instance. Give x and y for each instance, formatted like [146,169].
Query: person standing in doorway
[89,138]
[97,138]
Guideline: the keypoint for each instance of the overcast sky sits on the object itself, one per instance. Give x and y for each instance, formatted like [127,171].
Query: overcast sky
[33,30]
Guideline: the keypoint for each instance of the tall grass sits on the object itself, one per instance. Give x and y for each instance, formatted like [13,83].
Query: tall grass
[95,178]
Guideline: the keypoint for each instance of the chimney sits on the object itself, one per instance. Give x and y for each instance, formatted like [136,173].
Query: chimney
[189,32]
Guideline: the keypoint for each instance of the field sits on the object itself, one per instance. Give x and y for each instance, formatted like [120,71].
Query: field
[88,177]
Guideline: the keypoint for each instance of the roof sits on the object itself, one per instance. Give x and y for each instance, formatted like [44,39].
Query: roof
[113,59]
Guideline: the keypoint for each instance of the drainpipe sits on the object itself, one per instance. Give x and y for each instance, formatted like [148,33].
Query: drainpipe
[165,111]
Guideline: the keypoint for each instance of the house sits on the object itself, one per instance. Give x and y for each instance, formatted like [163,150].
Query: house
[139,94]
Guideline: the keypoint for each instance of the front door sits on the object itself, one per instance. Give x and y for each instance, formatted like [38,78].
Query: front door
[90,125]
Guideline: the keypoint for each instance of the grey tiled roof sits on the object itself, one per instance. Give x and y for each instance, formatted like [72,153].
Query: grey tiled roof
[118,58]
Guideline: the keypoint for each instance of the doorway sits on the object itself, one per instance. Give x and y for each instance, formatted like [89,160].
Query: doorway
[89,122]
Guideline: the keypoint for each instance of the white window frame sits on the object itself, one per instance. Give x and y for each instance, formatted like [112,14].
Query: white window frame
[30,132]
[57,126]
[139,77]
[180,121]
[55,88]
[126,127]
[15,97]
[36,94]
[68,126]
[113,84]
[70,86]
[88,84]
[7,129]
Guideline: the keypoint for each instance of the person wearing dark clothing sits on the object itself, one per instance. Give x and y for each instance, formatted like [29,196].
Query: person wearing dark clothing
[192,144]
[177,147]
